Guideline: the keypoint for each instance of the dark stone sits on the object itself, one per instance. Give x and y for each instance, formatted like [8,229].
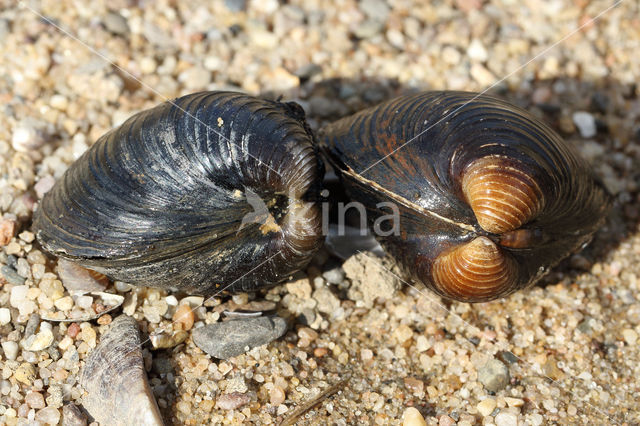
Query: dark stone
[225,340]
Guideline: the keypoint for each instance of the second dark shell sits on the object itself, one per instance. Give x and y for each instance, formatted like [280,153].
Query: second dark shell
[488,198]
[213,190]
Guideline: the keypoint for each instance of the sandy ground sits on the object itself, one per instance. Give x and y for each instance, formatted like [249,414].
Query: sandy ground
[363,344]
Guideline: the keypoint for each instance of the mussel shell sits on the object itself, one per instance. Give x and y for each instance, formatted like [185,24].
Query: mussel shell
[212,190]
[468,159]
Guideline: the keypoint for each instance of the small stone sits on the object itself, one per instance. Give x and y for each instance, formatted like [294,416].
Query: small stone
[482,75]
[414,385]
[477,51]
[104,319]
[39,341]
[64,303]
[586,123]
[73,330]
[44,185]
[55,396]
[11,275]
[225,340]
[195,78]
[413,417]
[167,339]
[8,229]
[514,402]
[375,9]
[5,316]
[494,375]
[84,302]
[25,373]
[334,275]
[35,400]
[18,295]
[116,23]
[486,406]
[73,416]
[183,317]
[10,350]
[368,29]
[276,395]
[48,415]
[232,401]
[506,419]
[235,5]
[27,136]
[630,336]
[59,102]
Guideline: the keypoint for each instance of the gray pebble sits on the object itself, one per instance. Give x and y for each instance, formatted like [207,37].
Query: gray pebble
[368,29]
[375,9]
[305,72]
[73,416]
[235,5]
[225,340]
[11,275]
[494,375]
[334,275]
[32,325]
[307,316]
[162,365]
[116,23]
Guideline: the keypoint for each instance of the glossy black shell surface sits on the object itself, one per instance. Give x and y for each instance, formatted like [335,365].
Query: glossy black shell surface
[413,151]
[213,190]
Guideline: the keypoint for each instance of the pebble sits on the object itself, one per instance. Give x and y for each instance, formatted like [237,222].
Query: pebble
[5,316]
[477,51]
[413,417]
[48,415]
[73,416]
[506,419]
[225,340]
[586,123]
[11,275]
[183,317]
[25,373]
[235,5]
[276,395]
[10,350]
[64,303]
[486,406]
[168,339]
[44,185]
[334,275]
[35,400]
[630,336]
[232,401]
[8,229]
[195,78]
[27,136]
[39,341]
[494,375]
[116,23]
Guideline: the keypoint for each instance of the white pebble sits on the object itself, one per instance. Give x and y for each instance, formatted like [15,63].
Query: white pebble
[506,419]
[486,406]
[477,51]
[585,123]
[5,316]
[39,341]
[18,295]
[10,350]
[84,302]
[630,336]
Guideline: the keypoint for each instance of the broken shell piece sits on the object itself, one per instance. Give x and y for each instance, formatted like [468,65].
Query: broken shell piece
[114,378]
[79,280]
[164,339]
[103,304]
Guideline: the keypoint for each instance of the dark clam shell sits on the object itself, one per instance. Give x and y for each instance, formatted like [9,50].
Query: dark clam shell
[212,190]
[489,198]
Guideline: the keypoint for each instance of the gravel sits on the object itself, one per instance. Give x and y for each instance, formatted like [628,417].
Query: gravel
[372,349]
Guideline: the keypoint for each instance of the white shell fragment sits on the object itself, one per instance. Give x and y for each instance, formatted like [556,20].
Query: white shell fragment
[114,378]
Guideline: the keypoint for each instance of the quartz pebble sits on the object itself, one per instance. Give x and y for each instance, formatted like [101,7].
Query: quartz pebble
[5,316]
[486,406]
[586,123]
[494,375]
[413,417]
